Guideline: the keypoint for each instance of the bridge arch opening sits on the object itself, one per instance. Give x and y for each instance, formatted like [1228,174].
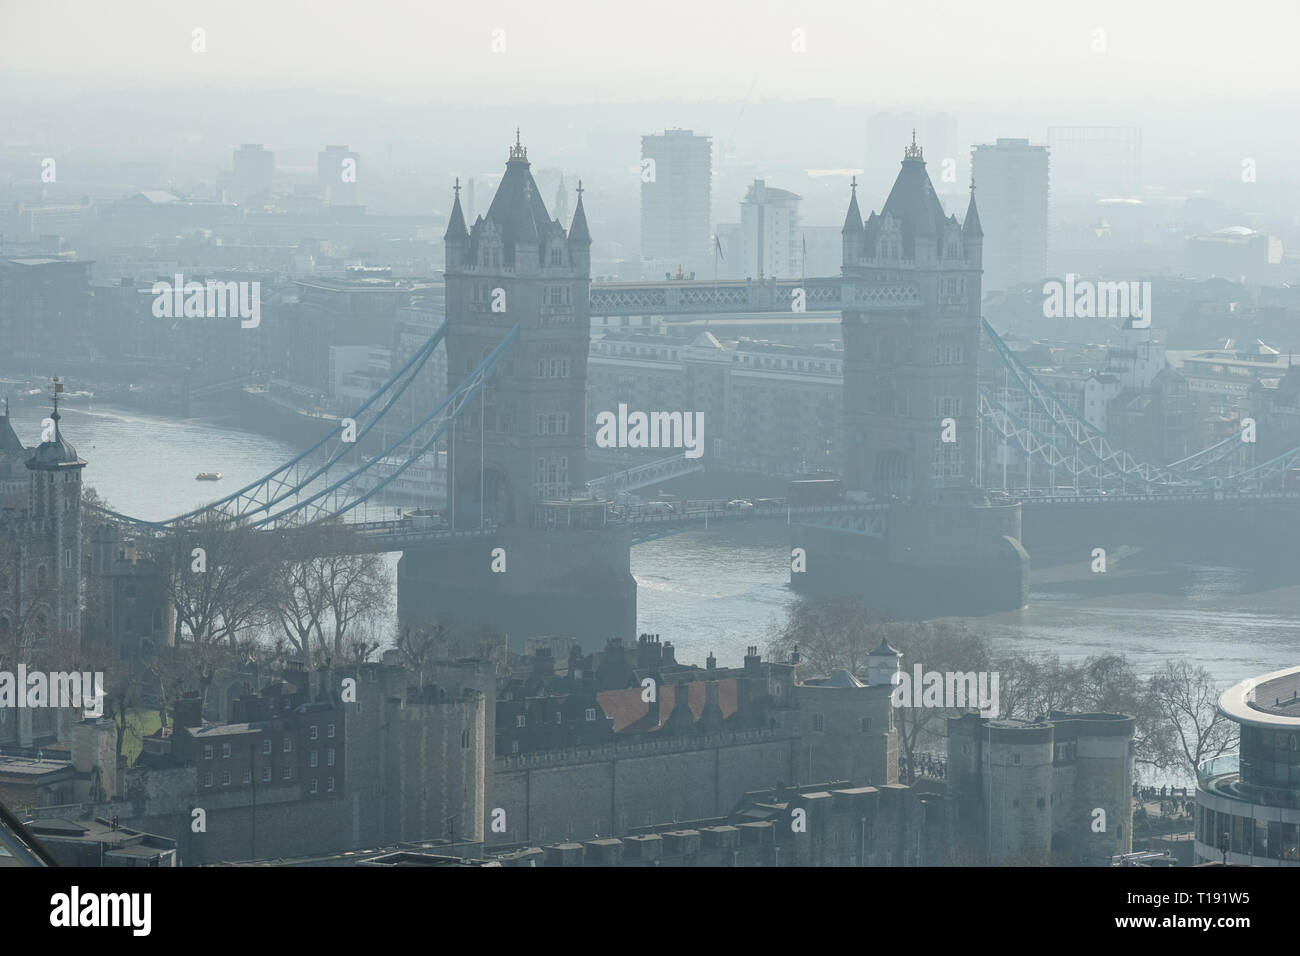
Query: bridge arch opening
[892,473]
[497,505]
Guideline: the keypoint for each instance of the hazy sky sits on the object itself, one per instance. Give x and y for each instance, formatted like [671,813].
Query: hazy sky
[940,51]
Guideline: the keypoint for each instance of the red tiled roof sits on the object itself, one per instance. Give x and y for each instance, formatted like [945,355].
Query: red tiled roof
[625,707]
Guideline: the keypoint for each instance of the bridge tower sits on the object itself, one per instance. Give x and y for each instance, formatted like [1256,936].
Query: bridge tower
[911,418]
[545,565]
[516,265]
[907,370]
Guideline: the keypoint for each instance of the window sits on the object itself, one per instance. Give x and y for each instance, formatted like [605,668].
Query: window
[520,720]
[225,751]
[288,744]
[248,777]
[329,731]
[313,734]
[313,788]
[286,773]
[819,722]
[947,407]
[225,778]
[330,785]
[552,423]
[464,740]
[266,745]
[207,751]
[266,775]
[1015,759]
[329,757]
[553,368]
[207,780]
[591,713]
[866,725]
[559,716]
[313,760]
[1041,803]
[67,558]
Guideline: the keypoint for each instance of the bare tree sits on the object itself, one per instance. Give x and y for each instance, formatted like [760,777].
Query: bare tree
[420,643]
[327,587]
[1187,699]
[936,646]
[830,634]
[1035,685]
[842,632]
[220,570]
[355,587]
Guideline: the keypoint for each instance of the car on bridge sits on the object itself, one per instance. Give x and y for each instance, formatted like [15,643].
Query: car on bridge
[739,504]
[426,519]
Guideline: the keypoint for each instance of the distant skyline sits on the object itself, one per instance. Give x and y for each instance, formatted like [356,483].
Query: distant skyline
[936,51]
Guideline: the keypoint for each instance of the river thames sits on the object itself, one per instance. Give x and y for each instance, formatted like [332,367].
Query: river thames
[722,591]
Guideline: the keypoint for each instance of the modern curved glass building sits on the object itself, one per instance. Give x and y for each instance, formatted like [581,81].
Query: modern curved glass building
[1249,802]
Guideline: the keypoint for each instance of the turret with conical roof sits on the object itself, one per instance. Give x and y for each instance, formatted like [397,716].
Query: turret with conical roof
[914,206]
[882,665]
[456,238]
[57,453]
[971,228]
[854,233]
[579,235]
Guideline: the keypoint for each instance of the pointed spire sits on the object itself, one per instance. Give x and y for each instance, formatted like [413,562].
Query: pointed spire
[971,227]
[578,231]
[456,222]
[853,218]
[518,152]
[913,151]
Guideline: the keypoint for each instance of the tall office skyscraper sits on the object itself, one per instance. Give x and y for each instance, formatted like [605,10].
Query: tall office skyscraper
[769,223]
[337,172]
[254,168]
[1012,180]
[676,197]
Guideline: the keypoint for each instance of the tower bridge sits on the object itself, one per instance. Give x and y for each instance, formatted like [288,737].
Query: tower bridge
[921,528]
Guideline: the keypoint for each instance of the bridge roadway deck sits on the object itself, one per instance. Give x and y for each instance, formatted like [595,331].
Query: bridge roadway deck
[644,522]
[649,522]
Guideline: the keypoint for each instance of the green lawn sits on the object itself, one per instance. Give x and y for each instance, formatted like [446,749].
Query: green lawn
[140,722]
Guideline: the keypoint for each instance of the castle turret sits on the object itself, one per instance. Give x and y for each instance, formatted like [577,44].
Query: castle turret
[854,234]
[580,237]
[883,665]
[56,527]
[456,238]
[971,229]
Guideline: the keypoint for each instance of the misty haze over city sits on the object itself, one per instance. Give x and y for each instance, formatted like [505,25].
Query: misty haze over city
[698,435]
